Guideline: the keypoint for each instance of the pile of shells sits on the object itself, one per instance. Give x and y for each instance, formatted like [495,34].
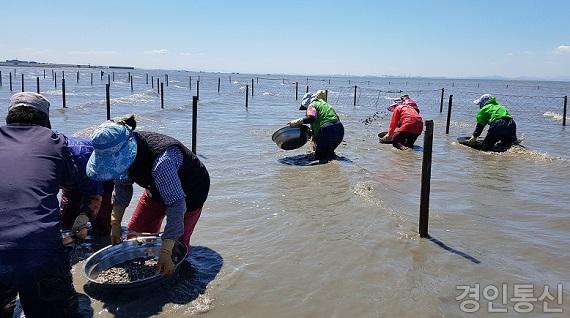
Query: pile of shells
[129,271]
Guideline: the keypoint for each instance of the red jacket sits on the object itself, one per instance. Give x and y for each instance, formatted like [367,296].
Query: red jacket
[408,118]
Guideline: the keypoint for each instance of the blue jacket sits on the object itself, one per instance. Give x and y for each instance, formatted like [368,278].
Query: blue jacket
[78,151]
[32,166]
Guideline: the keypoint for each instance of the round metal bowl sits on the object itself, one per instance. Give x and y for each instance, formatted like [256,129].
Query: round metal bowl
[128,250]
[289,138]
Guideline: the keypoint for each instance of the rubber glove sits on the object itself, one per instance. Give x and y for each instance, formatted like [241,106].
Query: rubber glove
[295,123]
[165,265]
[79,227]
[386,138]
[116,218]
[472,140]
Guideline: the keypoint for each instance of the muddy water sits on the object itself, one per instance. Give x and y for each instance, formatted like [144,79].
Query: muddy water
[283,238]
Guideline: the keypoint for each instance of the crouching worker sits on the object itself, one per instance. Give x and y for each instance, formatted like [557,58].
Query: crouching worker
[502,128]
[82,199]
[406,124]
[33,260]
[176,183]
[327,130]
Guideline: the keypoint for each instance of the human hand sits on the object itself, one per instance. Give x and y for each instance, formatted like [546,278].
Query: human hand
[295,123]
[116,233]
[165,265]
[79,228]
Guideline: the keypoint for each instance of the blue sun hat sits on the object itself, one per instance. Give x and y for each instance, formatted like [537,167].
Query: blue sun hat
[114,151]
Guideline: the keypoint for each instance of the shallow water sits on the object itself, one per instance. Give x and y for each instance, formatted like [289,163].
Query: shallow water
[280,236]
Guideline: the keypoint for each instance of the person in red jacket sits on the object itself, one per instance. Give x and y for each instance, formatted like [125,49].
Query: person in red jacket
[406,124]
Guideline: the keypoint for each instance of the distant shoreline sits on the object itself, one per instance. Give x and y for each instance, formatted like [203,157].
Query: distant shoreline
[16,63]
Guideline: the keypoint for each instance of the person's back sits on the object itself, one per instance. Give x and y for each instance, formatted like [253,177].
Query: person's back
[33,261]
[502,131]
[409,118]
[82,199]
[325,115]
[31,165]
[491,112]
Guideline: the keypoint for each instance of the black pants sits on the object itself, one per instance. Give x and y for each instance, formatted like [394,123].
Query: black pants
[503,130]
[46,291]
[328,138]
[404,139]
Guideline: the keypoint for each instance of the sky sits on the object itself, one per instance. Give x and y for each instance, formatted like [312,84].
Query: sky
[449,38]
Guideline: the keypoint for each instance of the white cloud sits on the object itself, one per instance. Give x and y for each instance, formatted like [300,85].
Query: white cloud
[563,49]
[93,52]
[152,52]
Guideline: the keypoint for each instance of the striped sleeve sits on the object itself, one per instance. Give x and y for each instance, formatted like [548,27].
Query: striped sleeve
[165,175]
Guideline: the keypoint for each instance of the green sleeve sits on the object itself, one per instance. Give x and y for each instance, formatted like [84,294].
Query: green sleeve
[483,116]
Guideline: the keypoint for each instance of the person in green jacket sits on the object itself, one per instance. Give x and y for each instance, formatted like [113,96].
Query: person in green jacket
[326,127]
[502,128]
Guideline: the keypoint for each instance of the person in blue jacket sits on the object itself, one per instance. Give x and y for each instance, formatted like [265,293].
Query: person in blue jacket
[82,199]
[33,260]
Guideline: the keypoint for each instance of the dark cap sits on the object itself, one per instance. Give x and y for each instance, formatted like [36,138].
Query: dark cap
[33,100]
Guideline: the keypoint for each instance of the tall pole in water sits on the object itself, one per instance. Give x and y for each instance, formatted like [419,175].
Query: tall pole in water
[38,84]
[194,122]
[246,96]
[198,89]
[63,91]
[354,103]
[441,101]
[22,82]
[564,112]
[108,100]
[448,114]
[162,95]
[426,179]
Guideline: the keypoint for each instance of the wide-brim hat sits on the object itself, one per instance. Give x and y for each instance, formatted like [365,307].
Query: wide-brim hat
[306,101]
[114,151]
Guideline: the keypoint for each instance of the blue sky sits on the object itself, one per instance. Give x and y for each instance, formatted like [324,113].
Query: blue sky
[454,38]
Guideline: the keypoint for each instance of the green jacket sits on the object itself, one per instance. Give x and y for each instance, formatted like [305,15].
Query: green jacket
[491,112]
[325,114]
